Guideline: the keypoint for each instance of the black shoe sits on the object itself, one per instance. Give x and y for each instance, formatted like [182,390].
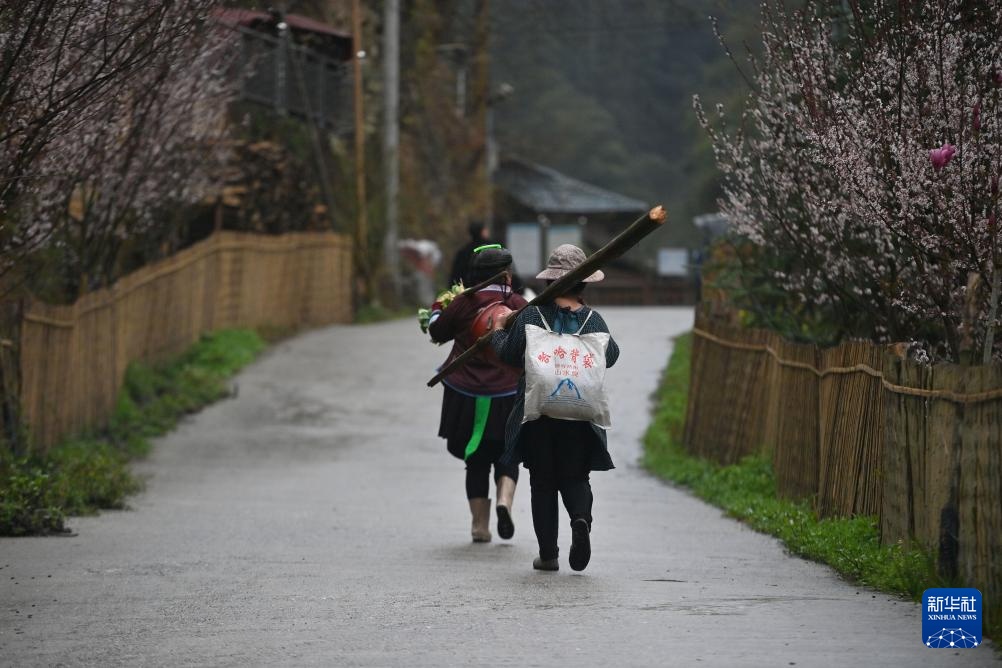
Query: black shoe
[506,528]
[541,564]
[580,545]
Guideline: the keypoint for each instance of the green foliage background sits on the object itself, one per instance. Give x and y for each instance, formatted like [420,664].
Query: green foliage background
[603,92]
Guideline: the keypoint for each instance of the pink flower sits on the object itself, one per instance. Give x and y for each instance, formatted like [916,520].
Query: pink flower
[976,117]
[940,157]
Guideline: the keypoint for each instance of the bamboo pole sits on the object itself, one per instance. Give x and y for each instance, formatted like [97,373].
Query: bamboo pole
[623,242]
[483,284]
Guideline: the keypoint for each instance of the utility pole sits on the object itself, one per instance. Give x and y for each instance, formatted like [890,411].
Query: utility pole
[362,223]
[481,75]
[391,138]
[503,92]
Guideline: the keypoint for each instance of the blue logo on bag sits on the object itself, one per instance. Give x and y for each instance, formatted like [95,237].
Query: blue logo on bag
[565,387]
[951,618]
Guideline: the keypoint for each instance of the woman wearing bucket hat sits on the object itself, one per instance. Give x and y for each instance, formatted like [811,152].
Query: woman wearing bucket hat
[560,453]
[479,396]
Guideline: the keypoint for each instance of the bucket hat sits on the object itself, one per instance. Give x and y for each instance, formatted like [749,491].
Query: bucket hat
[564,258]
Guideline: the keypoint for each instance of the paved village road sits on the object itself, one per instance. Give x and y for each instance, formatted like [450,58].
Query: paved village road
[316,519]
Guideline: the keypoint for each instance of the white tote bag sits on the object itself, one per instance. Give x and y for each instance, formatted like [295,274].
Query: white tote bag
[565,374]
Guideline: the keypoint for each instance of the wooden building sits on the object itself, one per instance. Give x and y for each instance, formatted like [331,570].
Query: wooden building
[537,208]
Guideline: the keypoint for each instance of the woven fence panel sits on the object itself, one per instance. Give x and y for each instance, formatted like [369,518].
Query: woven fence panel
[942,465]
[980,502]
[73,358]
[851,434]
[727,412]
[795,450]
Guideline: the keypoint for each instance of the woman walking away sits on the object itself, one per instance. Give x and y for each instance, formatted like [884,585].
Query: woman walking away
[479,396]
[557,427]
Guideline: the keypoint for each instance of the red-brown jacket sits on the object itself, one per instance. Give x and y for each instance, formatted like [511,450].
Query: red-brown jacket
[484,375]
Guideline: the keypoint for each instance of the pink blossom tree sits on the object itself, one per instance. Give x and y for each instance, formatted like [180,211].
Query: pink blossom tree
[866,167]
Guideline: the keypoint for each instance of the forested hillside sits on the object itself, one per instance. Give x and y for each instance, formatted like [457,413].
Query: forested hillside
[603,91]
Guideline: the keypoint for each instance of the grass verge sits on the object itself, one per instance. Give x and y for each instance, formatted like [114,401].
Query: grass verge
[85,474]
[747,491]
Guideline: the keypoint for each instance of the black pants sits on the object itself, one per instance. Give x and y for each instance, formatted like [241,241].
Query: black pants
[478,469]
[456,425]
[560,463]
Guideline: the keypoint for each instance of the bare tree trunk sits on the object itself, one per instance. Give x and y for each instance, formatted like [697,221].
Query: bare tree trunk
[965,346]
[993,311]
[12,433]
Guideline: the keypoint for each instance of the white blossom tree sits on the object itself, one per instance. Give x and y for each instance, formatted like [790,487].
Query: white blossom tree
[865,172]
[107,112]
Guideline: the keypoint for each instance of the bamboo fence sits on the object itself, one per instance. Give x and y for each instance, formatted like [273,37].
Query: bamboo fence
[73,358]
[861,431]
[942,469]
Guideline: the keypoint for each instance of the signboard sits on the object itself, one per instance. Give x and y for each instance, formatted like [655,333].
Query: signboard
[558,235]
[673,262]
[714,224]
[524,242]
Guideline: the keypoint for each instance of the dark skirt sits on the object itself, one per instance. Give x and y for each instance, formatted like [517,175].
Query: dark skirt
[561,449]
[456,423]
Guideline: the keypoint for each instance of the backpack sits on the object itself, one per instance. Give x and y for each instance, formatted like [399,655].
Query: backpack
[565,374]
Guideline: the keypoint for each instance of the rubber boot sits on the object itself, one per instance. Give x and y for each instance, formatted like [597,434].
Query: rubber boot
[541,564]
[506,496]
[580,544]
[481,511]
